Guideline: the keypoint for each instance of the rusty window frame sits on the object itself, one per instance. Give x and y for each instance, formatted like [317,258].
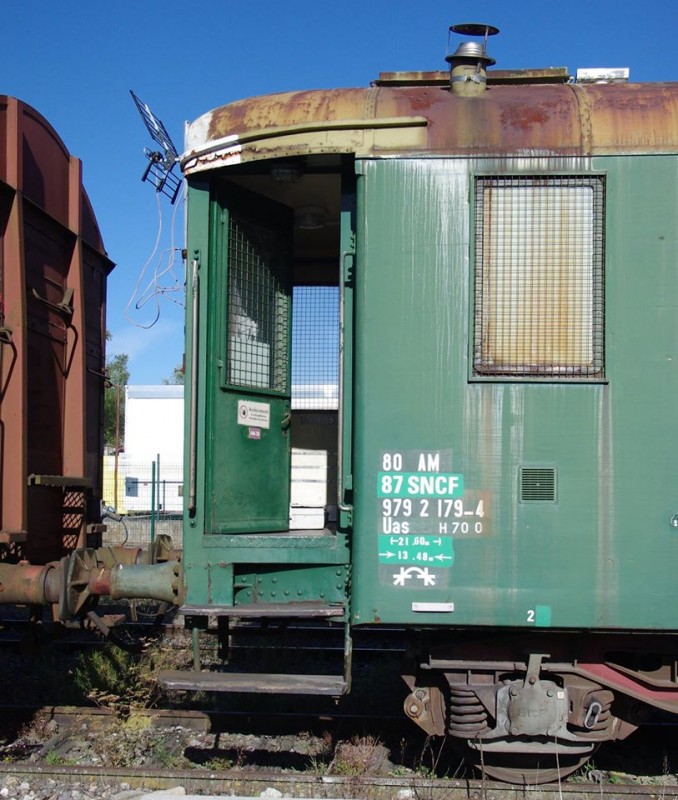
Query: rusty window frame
[538,283]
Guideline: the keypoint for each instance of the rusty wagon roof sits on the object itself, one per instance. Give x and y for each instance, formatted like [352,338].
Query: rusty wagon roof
[507,120]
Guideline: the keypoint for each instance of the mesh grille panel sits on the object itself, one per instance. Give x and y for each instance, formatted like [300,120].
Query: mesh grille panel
[258,308]
[315,347]
[539,308]
[537,484]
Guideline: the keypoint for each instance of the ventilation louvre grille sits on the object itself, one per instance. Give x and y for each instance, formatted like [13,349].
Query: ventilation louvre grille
[537,485]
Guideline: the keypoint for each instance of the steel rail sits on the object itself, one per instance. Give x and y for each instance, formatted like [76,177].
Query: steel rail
[236,783]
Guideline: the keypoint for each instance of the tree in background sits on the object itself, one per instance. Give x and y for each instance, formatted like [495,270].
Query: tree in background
[114,398]
[177,377]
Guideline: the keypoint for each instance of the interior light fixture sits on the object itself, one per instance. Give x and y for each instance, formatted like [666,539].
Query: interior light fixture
[310,218]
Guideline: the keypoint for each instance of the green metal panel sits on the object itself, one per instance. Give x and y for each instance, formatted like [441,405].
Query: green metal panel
[247,485]
[473,536]
[285,584]
[293,547]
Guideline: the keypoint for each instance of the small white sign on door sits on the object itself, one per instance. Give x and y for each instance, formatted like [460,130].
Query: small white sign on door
[256,415]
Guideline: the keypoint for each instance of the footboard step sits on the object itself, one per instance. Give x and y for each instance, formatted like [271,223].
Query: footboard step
[253,683]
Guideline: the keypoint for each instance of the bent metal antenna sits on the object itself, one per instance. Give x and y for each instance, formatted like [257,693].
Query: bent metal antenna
[160,164]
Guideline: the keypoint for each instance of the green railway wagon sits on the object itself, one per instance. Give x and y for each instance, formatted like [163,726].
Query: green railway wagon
[432,369]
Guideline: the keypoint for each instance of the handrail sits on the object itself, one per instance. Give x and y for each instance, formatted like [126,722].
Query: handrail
[193,420]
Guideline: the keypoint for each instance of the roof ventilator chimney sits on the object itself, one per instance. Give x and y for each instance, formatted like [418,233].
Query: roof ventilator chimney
[469,62]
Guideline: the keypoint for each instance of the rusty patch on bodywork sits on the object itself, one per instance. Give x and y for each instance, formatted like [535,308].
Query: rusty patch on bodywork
[289,108]
[507,120]
[524,117]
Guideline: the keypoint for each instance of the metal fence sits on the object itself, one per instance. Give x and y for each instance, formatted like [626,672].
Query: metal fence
[148,496]
[134,488]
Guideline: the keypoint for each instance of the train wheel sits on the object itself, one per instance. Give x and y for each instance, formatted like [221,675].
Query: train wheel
[525,768]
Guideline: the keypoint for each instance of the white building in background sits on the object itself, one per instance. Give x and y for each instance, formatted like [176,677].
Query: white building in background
[154,423]
[154,433]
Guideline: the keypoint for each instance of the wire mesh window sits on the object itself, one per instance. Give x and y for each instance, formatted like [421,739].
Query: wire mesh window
[539,255]
[315,347]
[258,307]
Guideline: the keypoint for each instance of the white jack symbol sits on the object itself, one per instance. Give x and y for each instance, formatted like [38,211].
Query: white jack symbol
[407,573]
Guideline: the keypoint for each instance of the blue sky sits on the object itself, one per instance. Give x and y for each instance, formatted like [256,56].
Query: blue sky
[75,62]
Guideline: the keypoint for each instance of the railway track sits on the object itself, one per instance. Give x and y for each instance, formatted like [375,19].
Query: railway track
[234,783]
[251,743]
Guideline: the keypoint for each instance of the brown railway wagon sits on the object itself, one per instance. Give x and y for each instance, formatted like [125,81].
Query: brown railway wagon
[53,269]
